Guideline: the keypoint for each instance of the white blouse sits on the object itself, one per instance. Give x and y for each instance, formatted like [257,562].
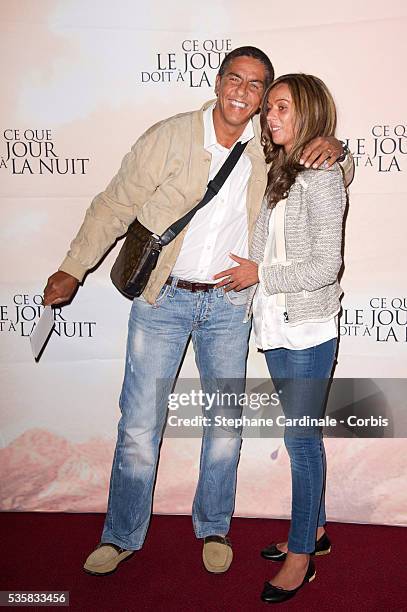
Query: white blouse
[270,328]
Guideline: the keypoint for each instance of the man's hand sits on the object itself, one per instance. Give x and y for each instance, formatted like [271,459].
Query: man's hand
[60,288]
[241,276]
[323,149]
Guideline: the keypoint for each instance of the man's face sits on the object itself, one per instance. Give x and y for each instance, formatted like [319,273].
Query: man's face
[240,91]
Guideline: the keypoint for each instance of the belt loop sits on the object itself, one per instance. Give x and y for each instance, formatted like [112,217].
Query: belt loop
[219,292]
[174,281]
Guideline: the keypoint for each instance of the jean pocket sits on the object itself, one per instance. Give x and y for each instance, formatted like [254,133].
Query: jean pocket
[163,293]
[236,298]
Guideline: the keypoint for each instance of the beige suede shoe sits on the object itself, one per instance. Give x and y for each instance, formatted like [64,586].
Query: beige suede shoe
[217,554]
[105,559]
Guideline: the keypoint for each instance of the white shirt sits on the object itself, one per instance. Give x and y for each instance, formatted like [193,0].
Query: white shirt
[220,227]
[270,328]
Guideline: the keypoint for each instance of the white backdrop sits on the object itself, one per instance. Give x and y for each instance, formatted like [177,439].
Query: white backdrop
[81,81]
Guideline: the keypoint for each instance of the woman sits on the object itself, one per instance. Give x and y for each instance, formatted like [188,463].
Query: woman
[295,257]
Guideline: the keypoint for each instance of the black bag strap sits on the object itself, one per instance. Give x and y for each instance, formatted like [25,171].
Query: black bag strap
[213,188]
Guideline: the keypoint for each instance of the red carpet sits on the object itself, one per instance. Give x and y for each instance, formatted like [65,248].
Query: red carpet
[366,571]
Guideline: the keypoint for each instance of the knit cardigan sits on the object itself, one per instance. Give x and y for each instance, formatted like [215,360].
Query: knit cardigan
[313,241]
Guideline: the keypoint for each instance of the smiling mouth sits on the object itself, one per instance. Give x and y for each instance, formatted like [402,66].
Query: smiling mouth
[238,104]
[275,129]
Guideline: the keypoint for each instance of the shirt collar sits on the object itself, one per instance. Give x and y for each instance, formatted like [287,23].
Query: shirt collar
[210,134]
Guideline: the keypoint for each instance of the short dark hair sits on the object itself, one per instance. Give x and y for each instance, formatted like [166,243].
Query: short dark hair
[249,51]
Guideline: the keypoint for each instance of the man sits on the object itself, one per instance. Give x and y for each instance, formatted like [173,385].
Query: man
[163,177]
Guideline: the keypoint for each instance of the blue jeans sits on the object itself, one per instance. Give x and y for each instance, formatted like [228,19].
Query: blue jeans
[302,378]
[157,338]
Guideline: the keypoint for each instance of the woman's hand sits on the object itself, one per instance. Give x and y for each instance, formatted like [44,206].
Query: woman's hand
[239,277]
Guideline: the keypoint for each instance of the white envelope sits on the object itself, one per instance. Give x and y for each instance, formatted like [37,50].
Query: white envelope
[42,331]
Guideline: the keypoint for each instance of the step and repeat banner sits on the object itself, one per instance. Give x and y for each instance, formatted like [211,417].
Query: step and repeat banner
[80,83]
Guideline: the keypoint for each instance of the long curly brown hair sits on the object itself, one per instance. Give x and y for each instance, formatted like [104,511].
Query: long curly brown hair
[315,115]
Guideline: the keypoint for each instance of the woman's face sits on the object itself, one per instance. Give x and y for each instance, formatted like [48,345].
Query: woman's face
[281,116]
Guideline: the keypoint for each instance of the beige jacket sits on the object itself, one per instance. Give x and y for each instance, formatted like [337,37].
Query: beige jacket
[163,176]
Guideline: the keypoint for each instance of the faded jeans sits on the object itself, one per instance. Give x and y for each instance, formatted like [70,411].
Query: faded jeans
[157,338]
[302,378]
